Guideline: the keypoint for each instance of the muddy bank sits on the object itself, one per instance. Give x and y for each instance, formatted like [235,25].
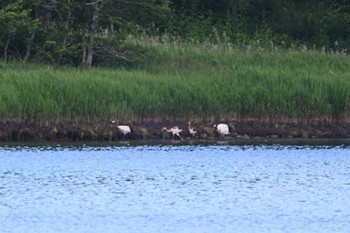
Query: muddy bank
[94,131]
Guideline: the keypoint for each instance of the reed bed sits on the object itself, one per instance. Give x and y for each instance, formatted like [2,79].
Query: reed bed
[185,81]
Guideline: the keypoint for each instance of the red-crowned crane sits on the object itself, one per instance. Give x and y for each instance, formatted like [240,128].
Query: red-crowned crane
[175,131]
[123,128]
[191,129]
[222,129]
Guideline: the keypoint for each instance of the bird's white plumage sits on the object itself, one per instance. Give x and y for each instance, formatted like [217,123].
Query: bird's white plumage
[124,129]
[222,129]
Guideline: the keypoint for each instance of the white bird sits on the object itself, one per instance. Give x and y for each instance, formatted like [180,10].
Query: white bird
[191,129]
[175,131]
[222,129]
[123,128]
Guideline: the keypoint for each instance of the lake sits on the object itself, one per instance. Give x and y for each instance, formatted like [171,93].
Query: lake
[202,188]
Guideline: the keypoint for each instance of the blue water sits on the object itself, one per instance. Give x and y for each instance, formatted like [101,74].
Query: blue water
[174,188]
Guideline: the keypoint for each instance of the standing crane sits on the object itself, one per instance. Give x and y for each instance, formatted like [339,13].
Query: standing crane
[175,131]
[124,129]
[222,129]
[191,129]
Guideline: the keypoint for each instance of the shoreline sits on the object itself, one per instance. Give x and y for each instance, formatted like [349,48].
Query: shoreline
[255,131]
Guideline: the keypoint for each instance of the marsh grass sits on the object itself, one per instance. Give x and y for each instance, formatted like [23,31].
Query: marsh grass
[175,80]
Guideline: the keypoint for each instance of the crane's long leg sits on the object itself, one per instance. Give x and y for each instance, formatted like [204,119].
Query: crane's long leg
[179,136]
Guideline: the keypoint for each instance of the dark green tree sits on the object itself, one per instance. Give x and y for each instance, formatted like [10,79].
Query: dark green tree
[16,25]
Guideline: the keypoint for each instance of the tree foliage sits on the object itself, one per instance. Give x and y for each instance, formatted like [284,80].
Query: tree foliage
[73,32]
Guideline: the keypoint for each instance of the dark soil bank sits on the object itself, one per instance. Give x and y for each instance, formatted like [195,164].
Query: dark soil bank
[247,130]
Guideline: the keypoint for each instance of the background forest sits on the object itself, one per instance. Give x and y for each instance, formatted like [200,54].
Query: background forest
[72,32]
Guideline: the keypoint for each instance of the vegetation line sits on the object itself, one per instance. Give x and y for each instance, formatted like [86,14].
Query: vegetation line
[184,81]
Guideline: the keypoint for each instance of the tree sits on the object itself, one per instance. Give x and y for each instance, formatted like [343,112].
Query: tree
[55,30]
[112,12]
[14,20]
[88,32]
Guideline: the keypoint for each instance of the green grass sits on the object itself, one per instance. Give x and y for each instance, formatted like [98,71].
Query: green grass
[188,81]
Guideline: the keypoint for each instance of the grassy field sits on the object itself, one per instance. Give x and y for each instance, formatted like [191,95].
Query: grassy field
[185,81]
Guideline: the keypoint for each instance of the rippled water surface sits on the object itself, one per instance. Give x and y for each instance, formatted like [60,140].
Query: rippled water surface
[175,188]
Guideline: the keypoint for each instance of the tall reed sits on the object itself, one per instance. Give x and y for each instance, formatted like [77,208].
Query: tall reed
[185,80]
